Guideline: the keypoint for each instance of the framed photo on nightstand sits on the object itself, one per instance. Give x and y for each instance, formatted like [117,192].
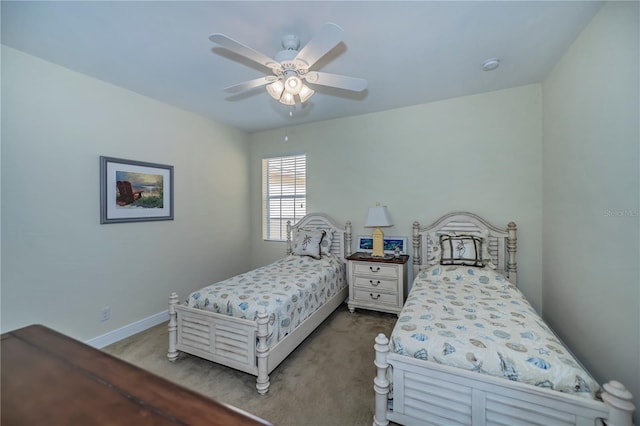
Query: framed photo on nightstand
[365,244]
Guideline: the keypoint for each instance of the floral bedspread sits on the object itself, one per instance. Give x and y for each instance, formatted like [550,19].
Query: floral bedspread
[473,318]
[289,290]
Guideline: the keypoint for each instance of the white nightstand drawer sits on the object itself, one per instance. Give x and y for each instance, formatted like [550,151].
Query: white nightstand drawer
[376,284]
[376,297]
[369,268]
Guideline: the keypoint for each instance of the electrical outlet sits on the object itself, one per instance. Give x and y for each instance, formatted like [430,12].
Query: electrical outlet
[105,313]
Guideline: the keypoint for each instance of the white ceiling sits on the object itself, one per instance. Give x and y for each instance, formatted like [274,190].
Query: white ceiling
[411,52]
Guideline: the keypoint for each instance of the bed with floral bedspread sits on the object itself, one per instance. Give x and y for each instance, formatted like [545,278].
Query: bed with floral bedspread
[469,349]
[289,290]
[253,321]
[474,318]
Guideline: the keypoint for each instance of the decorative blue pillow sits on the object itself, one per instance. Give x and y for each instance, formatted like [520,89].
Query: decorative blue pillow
[325,244]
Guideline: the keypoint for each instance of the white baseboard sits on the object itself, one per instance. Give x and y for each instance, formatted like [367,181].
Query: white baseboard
[128,330]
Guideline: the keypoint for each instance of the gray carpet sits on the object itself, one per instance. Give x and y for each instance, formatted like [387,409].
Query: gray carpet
[326,381]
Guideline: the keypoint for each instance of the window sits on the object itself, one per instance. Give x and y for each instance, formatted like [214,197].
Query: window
[284,194]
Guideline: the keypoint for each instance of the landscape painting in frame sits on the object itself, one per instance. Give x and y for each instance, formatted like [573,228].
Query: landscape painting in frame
[365,244]
[135,191]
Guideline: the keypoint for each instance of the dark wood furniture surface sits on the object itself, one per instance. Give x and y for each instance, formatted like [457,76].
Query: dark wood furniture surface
[366,257]
[48,378]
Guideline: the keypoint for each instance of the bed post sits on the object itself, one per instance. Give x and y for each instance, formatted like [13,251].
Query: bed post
[618,400]
[347,248]
[172,354]
[512,245]
[262,382]
[380,383]
[288,237]
[416,245]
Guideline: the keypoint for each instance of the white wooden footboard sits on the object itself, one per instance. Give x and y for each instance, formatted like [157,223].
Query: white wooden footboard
[220,338]
[231,341]
[428,393]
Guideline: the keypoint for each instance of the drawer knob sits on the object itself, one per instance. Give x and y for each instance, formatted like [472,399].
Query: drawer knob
[374,298]
[374,270]
[374,284]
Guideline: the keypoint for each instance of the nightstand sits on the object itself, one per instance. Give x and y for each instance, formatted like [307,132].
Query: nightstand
[377,283]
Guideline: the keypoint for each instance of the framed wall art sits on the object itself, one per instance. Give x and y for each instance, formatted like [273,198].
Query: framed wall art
[135,191]
[365,244]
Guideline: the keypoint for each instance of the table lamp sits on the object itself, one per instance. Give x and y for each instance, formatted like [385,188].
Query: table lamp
[378,217]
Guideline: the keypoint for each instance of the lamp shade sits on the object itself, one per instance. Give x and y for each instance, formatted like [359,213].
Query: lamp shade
[287,99]
[293,85]
[378,216]
[275,89]
[305,93]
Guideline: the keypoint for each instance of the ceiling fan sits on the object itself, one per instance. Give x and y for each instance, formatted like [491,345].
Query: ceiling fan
[291,67]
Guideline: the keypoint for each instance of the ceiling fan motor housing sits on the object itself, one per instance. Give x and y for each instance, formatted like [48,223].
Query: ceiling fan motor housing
[288,63]
[290,42]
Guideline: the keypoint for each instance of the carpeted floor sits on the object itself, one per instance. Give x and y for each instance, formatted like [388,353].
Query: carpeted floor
[326,381]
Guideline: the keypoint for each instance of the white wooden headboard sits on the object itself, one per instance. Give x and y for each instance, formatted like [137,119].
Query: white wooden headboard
[502,242]
[341,241]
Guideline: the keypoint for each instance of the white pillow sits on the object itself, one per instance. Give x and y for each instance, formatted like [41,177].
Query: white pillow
[325,244]
[306,242]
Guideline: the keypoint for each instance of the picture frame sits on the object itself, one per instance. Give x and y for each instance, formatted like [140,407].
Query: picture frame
[135,191]
[365,244]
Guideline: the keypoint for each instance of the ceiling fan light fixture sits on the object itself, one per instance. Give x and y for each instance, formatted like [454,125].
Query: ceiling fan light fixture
[293,85]
[287,99]
[279,91]
[275,89]
[305,93]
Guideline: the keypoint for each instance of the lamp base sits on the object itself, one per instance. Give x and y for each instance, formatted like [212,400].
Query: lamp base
[378,243]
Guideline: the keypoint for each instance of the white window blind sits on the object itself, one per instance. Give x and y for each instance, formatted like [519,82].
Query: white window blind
[284,194]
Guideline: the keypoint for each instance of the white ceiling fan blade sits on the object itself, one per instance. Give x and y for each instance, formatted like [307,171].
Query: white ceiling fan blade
[242,50]
[335,80]
[328,38]
[251,84]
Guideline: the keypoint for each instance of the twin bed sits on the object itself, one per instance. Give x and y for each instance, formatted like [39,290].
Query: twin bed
[468,349]
[253,321]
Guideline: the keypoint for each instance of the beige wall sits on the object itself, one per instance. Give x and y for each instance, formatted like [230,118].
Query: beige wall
[59,265]
[480,153]
[591,232]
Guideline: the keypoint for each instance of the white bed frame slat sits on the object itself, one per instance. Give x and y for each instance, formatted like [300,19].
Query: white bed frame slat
[232,341]
[430,393]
